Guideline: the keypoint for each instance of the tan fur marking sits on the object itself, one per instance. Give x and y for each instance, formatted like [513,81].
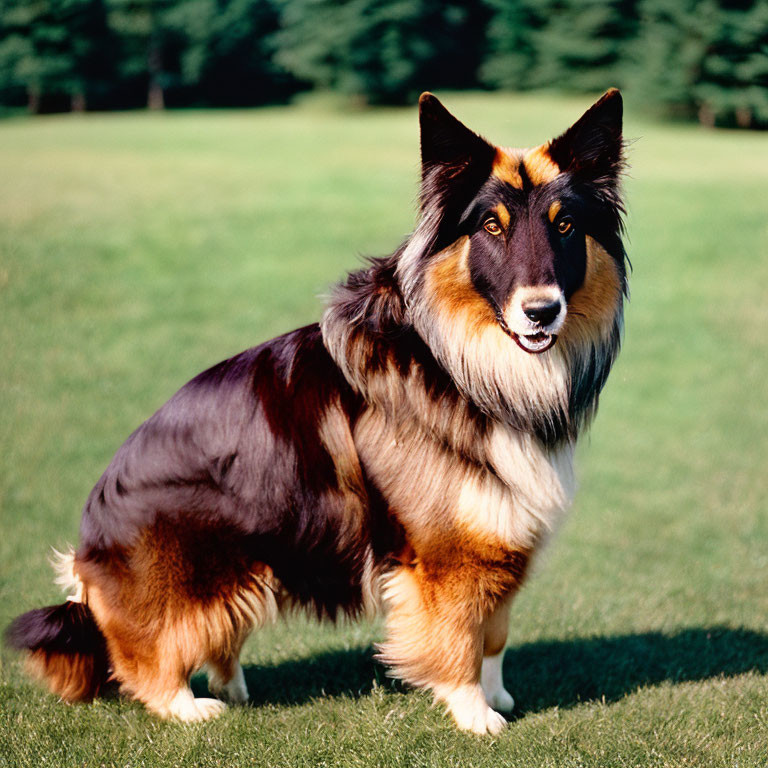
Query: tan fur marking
[73,676]
[495,630]
[336,437]
[453,575]
[222,669]
[554,209]
[487,366]
[449,281]
[437,612]
[169,606]
[505,168]
[539,166]
[592,308]
[226,679]
[503,214]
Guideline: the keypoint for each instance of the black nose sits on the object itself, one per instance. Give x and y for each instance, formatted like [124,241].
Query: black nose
[543,314]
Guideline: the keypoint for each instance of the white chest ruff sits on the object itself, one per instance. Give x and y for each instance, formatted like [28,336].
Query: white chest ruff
[525,496]
[517,502]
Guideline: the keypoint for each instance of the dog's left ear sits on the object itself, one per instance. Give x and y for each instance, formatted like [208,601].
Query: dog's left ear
[592,147]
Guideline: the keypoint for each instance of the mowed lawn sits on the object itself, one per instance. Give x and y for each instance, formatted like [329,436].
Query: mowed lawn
[138,249]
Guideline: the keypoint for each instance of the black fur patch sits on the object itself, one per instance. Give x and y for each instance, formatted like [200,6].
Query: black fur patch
[238,448]
[66,629]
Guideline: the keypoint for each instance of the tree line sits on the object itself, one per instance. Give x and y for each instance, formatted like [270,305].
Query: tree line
[704,59]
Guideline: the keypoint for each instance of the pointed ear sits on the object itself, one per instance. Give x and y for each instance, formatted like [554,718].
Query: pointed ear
[592,147]
[447,142]
[455,163]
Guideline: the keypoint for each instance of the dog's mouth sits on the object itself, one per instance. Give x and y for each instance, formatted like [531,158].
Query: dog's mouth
[535,343]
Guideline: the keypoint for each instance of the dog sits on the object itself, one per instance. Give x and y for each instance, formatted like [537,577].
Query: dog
[411,451]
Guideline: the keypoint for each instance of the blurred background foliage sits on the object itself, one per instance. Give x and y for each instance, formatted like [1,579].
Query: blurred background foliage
[689,59]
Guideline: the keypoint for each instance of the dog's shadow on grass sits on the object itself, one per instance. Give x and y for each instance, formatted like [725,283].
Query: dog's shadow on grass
[546,674]
[539,675]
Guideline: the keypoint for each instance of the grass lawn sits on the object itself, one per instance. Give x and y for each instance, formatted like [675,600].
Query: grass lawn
[137,249]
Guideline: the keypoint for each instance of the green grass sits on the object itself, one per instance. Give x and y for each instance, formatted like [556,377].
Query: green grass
[137,249]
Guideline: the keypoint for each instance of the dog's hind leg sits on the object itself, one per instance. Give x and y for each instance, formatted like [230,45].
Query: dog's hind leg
[153,661]
[153,656]
[491,679]
[226,679]
[177,600]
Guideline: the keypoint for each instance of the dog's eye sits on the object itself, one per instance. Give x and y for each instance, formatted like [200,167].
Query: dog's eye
[492,227]
[565,225]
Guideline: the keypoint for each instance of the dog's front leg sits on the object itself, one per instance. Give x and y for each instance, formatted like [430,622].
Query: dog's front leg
[436,637]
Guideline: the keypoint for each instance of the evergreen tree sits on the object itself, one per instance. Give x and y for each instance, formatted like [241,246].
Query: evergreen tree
[670,51]
[34,51]
[90,50]
[227,52]
[15,46]
[148,51]
[706,58]
[384,51]
[582,44]
[56,49]
[511,54]
[733,87]
[566,44]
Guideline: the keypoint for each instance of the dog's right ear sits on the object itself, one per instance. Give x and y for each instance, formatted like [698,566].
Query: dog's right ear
[445,141]
[454,159]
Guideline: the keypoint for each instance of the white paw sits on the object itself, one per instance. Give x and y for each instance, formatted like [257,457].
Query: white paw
[235,691]
[470,710]
[207,709]
[501,700]
[491,681]
[186,708]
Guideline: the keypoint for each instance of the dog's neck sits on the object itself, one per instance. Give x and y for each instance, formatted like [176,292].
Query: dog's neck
[414,362]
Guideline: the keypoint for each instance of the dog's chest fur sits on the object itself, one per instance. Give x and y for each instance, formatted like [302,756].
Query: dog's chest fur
[451,471]
[510,493]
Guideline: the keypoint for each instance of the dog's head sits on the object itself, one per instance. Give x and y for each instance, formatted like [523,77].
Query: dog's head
[516,271]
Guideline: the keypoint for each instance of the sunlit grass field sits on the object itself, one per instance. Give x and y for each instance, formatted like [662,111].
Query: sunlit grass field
[138,249]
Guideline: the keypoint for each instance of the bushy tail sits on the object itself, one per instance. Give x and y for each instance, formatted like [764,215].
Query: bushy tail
[64,647]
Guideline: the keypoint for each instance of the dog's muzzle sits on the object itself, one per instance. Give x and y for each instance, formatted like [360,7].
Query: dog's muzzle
[534,316]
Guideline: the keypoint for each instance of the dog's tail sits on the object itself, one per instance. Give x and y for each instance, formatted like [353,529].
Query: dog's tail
[63,643]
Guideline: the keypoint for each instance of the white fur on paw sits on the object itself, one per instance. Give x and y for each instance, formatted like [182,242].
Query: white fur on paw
[470,710]
[501,701]
[186,708]
[235,691]
[492,683]
[208,708]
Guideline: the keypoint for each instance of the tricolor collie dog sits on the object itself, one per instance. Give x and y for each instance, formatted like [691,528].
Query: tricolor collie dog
[412,450]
